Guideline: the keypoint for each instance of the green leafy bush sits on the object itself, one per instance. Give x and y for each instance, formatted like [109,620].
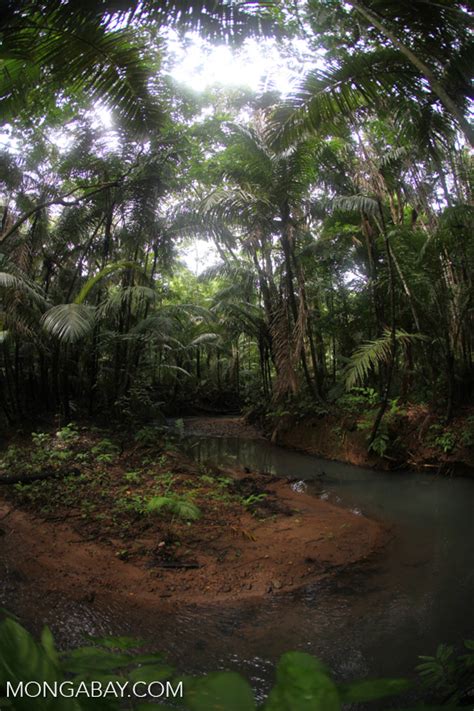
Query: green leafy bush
[303,683]
[177,505]
[447,673]
[68,433]
[445,439]
[357,398]
[467,433]
[380,443]
[105,451]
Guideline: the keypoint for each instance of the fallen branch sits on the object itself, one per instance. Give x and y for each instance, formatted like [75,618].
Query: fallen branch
[28,479]
[176,565]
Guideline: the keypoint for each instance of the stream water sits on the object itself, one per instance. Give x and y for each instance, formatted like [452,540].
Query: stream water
[371,620]
[418,592]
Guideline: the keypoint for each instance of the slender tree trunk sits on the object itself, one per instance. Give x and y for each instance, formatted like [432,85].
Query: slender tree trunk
[393,336]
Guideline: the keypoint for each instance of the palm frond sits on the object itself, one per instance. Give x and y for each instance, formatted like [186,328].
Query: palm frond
[86,57]
[69,322]
[327,98]
[16,280]
[359,203]
[205,339]
[371,355]
[134,296]
[106,271]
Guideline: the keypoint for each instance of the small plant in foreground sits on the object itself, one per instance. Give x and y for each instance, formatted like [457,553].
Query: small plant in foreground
[249,501]
[132,477]
[303,683]
[447,673]
[68,434]
[177,505]
[467,433]
[380,444]
[445,440]
[105,451]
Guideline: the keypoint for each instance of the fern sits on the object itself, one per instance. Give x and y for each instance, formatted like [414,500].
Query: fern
[180,507]
[186,510]
[373,354]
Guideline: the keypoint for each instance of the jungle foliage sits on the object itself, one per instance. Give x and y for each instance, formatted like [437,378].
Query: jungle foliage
[303,683]
[341,215]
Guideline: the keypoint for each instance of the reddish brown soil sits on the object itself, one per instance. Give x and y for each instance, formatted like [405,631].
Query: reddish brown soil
[238,556]
[337,436]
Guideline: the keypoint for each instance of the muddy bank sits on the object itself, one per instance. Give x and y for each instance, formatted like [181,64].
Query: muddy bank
[234,559]
[416,440]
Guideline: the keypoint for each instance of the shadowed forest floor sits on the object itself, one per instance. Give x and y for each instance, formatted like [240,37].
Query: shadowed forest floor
[88,532]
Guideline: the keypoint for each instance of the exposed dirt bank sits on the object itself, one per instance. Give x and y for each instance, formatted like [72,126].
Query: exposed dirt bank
[236,559]
[416,439]
[256,536]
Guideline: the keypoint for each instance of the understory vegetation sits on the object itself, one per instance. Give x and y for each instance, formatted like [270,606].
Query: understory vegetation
[142,498]
[302,682]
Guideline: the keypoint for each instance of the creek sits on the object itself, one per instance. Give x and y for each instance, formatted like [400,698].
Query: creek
[374,619]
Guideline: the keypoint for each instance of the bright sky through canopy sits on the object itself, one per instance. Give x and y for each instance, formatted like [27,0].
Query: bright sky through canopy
[258,65]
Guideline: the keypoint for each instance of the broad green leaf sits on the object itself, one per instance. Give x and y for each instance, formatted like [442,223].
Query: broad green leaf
[69,322]
[47,643]
[302,684]
[220,691]
[372,689]
[116,642]
[149,673]
[87,659]
[21,658]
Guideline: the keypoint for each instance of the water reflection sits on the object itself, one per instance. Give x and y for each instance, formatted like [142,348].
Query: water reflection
[420,593]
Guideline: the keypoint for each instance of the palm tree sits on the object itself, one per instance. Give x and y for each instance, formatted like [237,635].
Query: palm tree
[414,52]
[54,52]
[265,198]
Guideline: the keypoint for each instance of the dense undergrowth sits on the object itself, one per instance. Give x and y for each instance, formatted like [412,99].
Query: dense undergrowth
[116,491]
[411,435]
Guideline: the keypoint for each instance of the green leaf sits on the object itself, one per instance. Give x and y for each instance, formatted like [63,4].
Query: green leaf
[109,269]
[116,642]
[87,659]
[47,642]
[186,509]
[218,692]
[22,659]
[149,673]
[372,689]
[69,322]
[373,353]
[303,684]
[158,503]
